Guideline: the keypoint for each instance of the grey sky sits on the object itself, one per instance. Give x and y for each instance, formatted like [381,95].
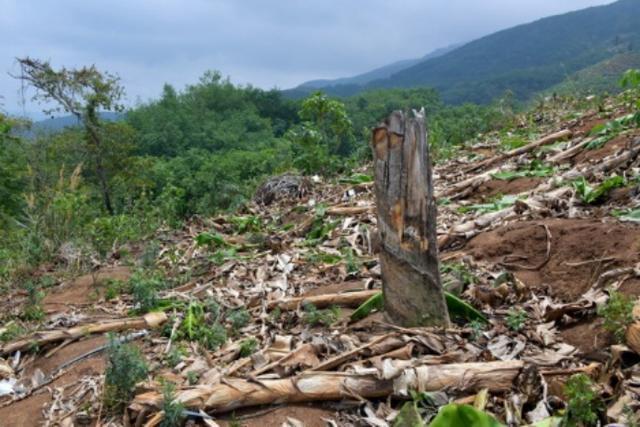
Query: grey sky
[267,43]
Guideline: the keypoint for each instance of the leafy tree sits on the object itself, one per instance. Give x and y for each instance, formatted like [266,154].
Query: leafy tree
[326,132]
[12,171]
[84,93]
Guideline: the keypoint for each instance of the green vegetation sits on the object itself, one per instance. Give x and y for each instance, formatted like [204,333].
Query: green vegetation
[516,319]
[463,415]
[173,410]
[248,347]
[202,323]
[497,204]
[617,314]
[144,286]
[198,151]
[535,169]
[239,318]
[461,310]
[525,59]
[314,317]
[590,195]
[583,403]
[125,368]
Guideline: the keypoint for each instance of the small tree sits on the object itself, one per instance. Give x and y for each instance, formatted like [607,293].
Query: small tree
[326,132]
[82,92]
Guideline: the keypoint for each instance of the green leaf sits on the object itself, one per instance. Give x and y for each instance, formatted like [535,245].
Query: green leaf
[632,215]
[210,239]
[409,416]
[357,178]
[497,205]
[590,195]
[376,302]
[454,415]
[461,309]
[548,422]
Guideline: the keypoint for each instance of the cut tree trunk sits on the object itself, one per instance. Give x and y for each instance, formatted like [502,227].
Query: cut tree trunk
[236,393]
[407,222]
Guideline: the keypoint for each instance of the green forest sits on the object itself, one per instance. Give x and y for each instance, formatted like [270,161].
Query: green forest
[199,150]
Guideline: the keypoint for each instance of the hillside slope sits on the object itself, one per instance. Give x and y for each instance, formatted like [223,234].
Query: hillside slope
[525,59]
[383,72]
[252,317]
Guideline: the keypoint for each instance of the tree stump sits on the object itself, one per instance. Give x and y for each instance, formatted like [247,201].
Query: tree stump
[406,206]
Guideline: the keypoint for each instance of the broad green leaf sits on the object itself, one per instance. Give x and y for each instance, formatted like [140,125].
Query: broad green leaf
[454,415]
[376,302]
[461,309]
[357,178]
[409,416]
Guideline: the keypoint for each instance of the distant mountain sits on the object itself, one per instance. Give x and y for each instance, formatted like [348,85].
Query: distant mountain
[378,73]
[525,59]
[56,124]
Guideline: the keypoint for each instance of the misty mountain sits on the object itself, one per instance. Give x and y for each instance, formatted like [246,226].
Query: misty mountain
[378,73]
[525,59]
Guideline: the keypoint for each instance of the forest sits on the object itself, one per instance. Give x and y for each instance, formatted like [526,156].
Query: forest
[197,151]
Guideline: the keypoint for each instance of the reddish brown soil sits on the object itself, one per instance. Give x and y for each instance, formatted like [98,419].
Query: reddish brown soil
[498,186]
[588,336]
[573,240]
[309,416]
[28,412]
[84,290]
[611,147]
[583,127]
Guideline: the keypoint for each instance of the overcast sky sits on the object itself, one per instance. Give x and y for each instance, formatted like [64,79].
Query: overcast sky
[269,43]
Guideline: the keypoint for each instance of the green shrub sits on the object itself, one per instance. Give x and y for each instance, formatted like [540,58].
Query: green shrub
[33,308]
[248,347]
[516,319]
[583,402]
[617,314]
[125,368]
[173,410]
[326,317]
[144,286]
[239,318]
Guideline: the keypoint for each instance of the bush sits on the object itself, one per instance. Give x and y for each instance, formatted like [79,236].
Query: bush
[144,286]
[125,368]
[173,410]
[617,314]
[583,403]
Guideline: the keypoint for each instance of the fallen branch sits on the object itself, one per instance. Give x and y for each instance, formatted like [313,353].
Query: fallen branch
[549,139]
[149,320]
[346,299]
[349,210]
[323,386]
[338,360]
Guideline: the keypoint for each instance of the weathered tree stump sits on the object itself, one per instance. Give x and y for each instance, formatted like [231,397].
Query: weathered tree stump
[413,294]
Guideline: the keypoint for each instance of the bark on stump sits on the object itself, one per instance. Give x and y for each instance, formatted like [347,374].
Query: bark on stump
[413,294]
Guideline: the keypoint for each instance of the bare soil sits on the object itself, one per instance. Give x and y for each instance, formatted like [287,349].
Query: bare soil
[309,416]
[611,147]
[573,241]
[85,290]
[495,187]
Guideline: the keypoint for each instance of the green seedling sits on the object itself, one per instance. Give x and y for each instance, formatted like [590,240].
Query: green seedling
[583,403]
[516,319]
[125,368]
[315,317]
[617,314]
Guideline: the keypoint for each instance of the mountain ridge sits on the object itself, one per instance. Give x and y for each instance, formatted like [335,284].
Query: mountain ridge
[525,59]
